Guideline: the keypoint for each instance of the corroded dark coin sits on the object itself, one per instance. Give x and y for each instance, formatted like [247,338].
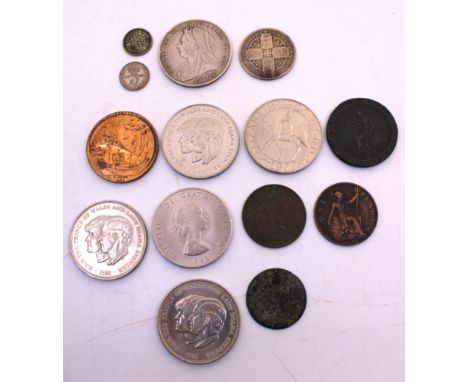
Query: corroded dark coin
[274,216]
[345,214]
[137,42]
[276,298]
[362,132]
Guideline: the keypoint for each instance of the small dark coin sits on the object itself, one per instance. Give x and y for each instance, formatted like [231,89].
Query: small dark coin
[345,214]
[362,132]
[276,298]
[274,216]
[137,42]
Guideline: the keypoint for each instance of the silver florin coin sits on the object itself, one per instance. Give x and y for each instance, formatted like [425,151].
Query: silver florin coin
[283,136]
[134,76]
[195,53]
[200,141]
[108,240]
[198,321]
[192,227]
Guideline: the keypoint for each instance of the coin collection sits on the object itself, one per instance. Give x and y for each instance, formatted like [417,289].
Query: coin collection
[199,320]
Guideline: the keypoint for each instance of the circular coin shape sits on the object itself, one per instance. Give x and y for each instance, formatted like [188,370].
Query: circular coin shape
[276,298]
[345,214]
[199,321]
[283,136]
[200,141]
[134,76]
[274,216]
[108,240]
[267,54]
[192,227]
[122,147]
[137,42]
[195,53]
[362,132]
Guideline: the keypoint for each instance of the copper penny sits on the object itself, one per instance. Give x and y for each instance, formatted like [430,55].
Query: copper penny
[122,147]
[345,214]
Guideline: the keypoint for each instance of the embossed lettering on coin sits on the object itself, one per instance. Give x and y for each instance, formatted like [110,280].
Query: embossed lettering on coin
[192,227]
[108,240]
[198,321]
[122,147]
[137,42]
[283,136]
[274,216]
[345,214]
[200,141]
[134,76]
[267,54]
[195,53]
[362,132]
[276,298]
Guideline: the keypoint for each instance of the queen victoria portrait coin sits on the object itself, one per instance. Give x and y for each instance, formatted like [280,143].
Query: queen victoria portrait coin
[200,141]
[122,147]
[267,54]
[283,136]
[108,240]
[345,214]
[198,321]
[192,227]
[195,53]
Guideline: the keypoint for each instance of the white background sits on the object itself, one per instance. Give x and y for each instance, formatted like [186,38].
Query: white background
[353,327]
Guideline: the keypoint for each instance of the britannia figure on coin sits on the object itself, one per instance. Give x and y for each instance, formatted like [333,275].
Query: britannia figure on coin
[196,46]
[190,221]
[201,138]
[200,319]
[363,140]
[345,223]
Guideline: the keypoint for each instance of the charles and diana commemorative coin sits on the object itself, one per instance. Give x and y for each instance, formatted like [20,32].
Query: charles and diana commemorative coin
[198,321]
[200,141]
[195,53]
[192,227]
[108,240]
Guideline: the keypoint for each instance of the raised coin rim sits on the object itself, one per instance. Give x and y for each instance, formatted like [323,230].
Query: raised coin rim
[145,246]
[325,235]
[206,83]
[262,78]
[164,142]
[153,131]
[234,337]
[141,86]
[228,242]
[275,100]
[146,50]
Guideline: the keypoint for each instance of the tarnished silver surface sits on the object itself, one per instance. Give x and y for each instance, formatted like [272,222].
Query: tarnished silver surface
[195,53]
[192,227]
[283,136]
[267,54]
[200,141]
[198,321]
[134,76]
[108,240]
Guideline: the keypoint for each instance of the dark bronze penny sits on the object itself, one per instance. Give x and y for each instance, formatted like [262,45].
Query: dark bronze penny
[345,214]
[362,132]
[276,298]
[274,216]
[137,42]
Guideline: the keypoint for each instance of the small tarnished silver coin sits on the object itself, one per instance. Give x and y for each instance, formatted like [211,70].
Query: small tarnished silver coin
[267,54]
[198,321]
[108,240]
[195,53]
[137,42]
[192,227]
[200,141]
[283,136]
[134,76]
